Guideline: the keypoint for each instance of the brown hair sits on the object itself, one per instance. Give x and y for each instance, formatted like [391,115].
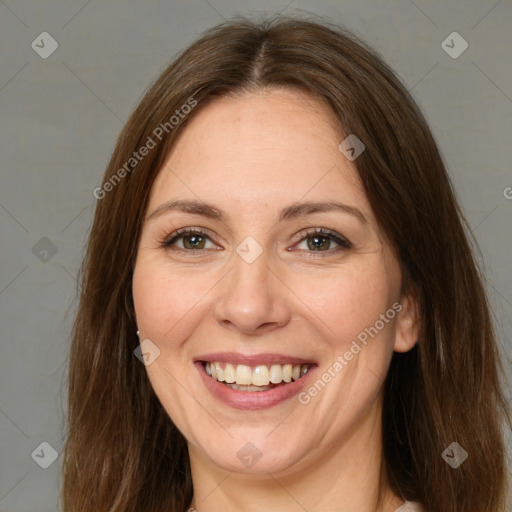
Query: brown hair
[122,451]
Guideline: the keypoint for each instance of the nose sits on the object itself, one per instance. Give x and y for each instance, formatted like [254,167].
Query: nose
[253,298]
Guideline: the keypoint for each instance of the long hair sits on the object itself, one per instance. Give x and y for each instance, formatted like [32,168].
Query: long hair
[122,452]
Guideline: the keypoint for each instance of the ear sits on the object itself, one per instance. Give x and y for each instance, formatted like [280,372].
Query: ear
[407,324]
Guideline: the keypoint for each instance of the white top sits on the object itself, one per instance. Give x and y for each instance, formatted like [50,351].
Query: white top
[410,506]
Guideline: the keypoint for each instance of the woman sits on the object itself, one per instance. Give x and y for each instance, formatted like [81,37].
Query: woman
[279,308]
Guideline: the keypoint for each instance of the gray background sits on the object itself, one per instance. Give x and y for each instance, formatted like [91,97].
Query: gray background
[60,117]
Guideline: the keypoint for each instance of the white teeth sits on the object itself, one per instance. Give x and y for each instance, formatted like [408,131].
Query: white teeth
[287,372]
[276,373]
[220,372]
[260,376]
[229,373]
[243,376]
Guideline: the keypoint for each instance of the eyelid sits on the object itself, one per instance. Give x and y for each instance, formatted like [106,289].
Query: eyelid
[342,242]
[179,233]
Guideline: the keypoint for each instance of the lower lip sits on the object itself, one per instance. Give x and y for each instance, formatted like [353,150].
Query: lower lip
[253,400]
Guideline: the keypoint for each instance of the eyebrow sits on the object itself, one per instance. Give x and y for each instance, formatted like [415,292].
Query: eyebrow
[292,211]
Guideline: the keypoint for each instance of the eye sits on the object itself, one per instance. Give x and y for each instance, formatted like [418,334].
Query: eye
[317,240]
[321,240]
[190,239]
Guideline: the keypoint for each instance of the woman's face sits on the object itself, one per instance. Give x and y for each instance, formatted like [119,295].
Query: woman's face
[256,290]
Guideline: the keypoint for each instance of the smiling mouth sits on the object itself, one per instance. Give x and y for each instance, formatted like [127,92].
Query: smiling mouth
[242,377]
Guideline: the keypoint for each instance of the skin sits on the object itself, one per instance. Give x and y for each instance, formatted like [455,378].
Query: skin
[251,155]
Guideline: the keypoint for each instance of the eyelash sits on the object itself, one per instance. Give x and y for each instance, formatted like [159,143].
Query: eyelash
[342,242]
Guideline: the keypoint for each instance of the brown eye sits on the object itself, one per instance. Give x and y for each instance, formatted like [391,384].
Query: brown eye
[317,243]
[193,241]
[188,240]
[319,240]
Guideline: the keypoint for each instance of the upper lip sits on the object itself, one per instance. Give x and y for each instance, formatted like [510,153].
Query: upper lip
[252,360]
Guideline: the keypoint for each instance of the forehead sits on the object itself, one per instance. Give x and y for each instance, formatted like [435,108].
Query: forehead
[259,148]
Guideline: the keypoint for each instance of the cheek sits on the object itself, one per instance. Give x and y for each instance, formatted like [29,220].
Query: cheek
[347,301]
[163,299]
[347,310]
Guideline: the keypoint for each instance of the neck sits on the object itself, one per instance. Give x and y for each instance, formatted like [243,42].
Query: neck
[345,477]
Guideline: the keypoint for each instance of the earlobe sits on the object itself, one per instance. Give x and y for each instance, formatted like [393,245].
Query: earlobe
[407,324]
